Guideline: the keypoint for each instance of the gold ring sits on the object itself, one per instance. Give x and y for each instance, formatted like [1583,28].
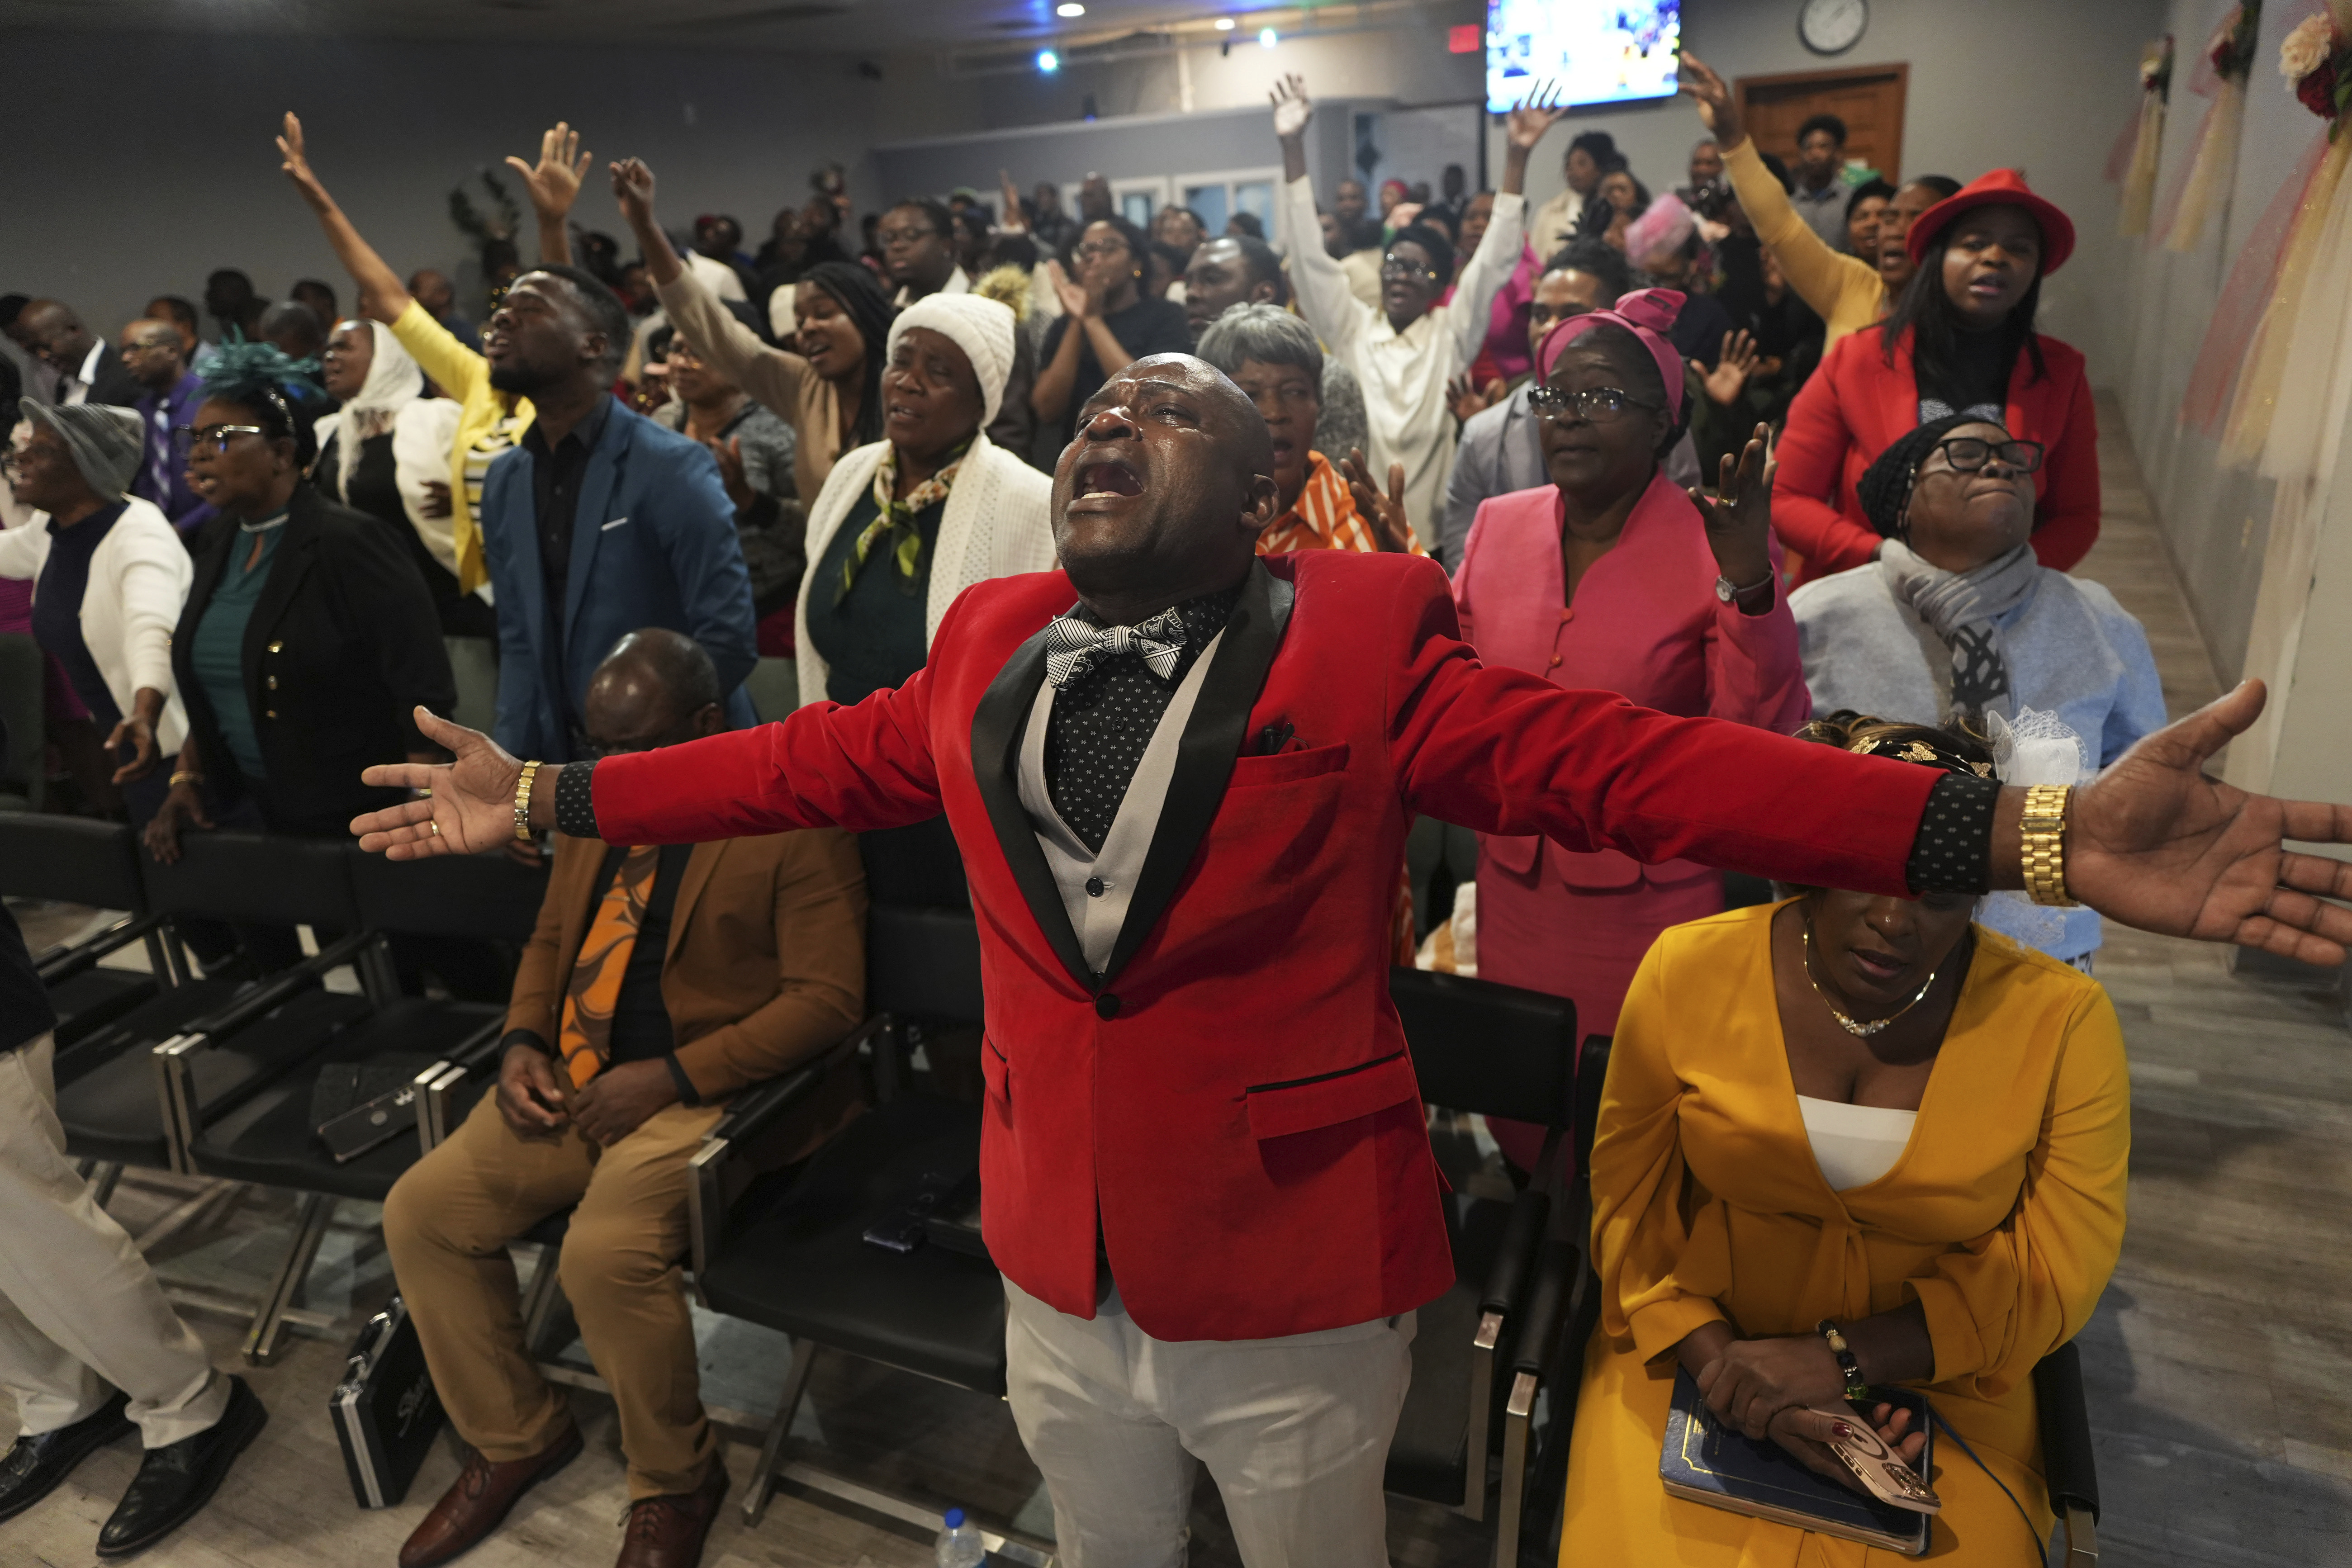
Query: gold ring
[424,795]
[436,829]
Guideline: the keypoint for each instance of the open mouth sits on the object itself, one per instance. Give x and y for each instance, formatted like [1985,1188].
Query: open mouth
[1988,286]
[1108,478]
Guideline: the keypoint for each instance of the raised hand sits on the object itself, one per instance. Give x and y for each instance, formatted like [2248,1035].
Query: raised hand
[633,187]
[1536,113]
[1729,377]
[1291,108]
[554,180]
[1074,296]
[2154,843]
[1739,523]
[1391,529]
[730,453]
[470,808]
[1717,107]
[297,164]
[1010,193]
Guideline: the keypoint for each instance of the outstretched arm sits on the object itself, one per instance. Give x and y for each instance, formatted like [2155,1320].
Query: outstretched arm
[1325,300]
[554,184]
[383,297]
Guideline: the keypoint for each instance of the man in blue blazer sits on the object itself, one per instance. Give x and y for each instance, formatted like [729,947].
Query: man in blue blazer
[599,522]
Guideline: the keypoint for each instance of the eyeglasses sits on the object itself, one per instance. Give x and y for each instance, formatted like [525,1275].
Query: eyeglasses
[1969,454]
[1397,267]
[217,437]
[1595,404]
[1095,248]
[886,238]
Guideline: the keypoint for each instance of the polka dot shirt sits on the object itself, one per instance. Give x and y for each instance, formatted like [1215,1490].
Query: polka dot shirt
[1953,853]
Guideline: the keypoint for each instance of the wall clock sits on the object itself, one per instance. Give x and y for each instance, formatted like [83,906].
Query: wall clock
[1833,26]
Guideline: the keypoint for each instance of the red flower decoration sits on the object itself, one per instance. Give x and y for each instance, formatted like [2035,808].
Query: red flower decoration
[2316,92]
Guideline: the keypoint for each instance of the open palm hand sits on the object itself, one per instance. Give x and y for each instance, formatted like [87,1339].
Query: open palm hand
[2155,843]
[470,808]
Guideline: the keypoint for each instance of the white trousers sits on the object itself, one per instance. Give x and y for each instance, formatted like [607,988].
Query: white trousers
[1295,1430]
[81,1313]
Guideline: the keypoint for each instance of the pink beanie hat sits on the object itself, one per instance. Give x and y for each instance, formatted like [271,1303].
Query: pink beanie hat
[1648,315]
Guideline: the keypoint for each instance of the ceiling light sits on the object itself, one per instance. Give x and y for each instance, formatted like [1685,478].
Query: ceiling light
[1265,38]
[1069,8]
[1224,23]
[1048,62]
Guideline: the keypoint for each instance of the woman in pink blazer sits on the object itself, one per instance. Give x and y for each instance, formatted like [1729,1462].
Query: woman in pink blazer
[1613,578]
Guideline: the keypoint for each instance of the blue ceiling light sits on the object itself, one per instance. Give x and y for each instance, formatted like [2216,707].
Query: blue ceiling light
[1048,62]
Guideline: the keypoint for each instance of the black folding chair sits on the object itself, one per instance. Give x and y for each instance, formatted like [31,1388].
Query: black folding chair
[2069,1469]
[271,1139]
[1483,1352]
[76,861]
[791,1256]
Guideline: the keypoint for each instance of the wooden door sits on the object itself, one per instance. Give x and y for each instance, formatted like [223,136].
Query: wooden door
[1869,99]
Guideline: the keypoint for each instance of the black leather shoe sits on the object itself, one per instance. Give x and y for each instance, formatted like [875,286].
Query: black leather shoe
[176,1480]
[32,1469]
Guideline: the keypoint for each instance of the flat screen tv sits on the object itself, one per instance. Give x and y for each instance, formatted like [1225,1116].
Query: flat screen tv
[1599,51]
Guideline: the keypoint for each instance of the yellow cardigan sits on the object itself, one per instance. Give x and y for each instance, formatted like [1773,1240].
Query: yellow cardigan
[1844,291]
[2002,1218]
[490,421]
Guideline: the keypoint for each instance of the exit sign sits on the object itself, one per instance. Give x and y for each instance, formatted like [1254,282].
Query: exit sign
[1467,39]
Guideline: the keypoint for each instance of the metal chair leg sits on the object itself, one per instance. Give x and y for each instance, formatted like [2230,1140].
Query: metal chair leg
[2081,1549]
[772,1451]
[270,1320]
[1519,1423]
[103,1176]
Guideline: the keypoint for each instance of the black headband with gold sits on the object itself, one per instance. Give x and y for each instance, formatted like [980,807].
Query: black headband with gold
[1917,748]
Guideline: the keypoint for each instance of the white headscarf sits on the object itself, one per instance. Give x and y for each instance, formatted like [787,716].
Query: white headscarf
[393,382]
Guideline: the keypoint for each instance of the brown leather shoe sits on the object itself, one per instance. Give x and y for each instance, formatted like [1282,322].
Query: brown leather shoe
[478,1502]
[667,1532]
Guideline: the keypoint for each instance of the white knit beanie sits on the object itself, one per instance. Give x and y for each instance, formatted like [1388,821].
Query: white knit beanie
[981,328]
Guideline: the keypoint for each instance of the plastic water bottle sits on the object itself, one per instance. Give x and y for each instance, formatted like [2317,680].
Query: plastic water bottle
[960,1544]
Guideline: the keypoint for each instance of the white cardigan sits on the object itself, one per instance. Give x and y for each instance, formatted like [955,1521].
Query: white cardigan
[998,522]
[139,579]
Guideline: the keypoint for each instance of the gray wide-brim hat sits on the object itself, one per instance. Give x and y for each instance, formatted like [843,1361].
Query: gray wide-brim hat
[107,442]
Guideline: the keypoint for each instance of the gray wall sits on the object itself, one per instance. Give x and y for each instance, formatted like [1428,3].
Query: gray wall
[155,163]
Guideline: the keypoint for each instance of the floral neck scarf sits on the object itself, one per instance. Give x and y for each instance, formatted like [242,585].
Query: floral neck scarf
[895,521]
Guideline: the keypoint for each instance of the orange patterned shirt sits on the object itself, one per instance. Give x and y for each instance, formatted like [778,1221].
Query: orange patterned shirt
[1325,518]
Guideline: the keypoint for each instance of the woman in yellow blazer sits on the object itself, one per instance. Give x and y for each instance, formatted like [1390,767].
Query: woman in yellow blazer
[1947,1187]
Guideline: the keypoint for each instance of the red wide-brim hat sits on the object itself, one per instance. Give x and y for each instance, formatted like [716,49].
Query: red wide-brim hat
[2003,187]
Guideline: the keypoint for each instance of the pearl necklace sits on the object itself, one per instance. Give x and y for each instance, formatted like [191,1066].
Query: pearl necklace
[1861,1027]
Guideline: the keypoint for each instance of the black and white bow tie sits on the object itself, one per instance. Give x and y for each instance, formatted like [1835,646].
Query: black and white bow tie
[1073,647]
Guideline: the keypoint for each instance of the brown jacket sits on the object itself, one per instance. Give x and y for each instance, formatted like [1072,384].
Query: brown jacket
[766,964]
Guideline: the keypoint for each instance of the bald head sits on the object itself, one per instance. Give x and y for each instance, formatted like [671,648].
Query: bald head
[51,331]
[657,688]
[295,328]
[1163,490]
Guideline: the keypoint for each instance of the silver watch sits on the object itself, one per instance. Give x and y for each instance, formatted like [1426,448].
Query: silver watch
[1727,592]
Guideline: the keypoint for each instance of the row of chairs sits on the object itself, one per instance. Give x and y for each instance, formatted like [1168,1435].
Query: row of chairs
[171,1071]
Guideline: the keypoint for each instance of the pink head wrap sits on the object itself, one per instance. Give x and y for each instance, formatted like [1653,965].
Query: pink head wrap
[1648,315]
[1667,226]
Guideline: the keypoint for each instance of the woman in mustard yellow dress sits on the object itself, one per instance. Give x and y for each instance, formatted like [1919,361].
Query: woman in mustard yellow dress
[1947,1187]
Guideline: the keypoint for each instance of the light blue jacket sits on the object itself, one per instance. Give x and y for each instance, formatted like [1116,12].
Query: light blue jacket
[2071,650]
[653,545]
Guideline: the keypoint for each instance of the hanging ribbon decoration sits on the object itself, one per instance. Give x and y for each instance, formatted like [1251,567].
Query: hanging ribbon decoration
[2222,73]
[2139,176]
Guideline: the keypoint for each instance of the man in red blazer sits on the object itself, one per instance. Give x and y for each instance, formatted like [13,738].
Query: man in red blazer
[1182,799]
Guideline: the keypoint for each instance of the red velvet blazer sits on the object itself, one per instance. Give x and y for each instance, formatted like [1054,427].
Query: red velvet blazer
[1856,405]
[1231,1100]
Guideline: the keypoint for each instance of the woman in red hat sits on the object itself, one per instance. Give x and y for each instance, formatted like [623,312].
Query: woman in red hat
[1959,338]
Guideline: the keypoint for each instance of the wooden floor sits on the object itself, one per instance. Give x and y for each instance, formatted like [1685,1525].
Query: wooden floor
[2220,1362]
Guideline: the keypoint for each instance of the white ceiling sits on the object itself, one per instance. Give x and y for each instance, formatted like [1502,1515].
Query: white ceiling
[823,25]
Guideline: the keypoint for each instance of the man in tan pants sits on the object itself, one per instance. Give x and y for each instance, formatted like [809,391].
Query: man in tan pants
[659,982]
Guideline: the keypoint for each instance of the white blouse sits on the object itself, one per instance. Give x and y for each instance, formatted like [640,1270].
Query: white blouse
[1855,1144]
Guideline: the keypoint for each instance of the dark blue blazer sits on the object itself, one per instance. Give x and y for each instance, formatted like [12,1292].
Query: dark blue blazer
[653,545]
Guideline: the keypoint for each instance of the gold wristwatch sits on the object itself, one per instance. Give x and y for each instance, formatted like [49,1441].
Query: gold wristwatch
[2044,831]
[523,801]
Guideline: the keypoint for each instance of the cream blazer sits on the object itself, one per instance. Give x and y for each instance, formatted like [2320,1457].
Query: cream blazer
[997,523]
[139,578]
